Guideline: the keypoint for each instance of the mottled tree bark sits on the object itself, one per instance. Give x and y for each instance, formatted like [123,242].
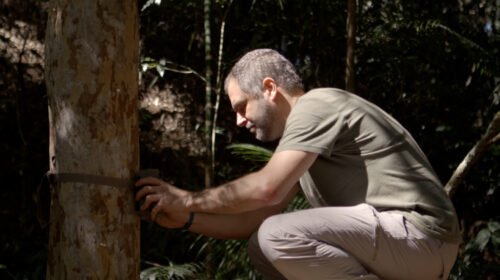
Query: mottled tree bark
[92,85]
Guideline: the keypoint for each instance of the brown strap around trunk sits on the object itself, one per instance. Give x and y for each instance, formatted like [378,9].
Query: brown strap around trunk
[55,178]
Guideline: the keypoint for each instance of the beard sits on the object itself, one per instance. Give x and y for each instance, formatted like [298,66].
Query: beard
[266,126]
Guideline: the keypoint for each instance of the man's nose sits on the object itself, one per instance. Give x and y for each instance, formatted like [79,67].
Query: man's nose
[240,120]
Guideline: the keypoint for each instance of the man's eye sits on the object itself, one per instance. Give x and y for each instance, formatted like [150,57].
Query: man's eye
[241,109]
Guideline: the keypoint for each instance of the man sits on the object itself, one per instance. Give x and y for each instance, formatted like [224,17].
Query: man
[379,210]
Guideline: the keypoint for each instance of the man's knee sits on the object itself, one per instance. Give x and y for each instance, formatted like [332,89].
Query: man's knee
[262,239]
[277,238]
[260,261]
[261,242]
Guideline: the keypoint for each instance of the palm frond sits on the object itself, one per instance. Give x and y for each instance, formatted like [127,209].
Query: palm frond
[250,152]
[429,25]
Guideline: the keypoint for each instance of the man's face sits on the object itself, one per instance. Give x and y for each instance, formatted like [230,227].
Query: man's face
[256,114]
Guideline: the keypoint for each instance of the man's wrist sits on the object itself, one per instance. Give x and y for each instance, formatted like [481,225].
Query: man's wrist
[188,224]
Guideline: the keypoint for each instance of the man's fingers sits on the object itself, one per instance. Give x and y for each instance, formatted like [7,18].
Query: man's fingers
[152,198]
[148,181]
[156,211]
[144,191]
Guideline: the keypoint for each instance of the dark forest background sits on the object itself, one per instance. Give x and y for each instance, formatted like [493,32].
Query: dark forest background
[433,65]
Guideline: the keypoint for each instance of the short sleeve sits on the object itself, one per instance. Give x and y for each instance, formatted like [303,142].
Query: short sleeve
[313,126]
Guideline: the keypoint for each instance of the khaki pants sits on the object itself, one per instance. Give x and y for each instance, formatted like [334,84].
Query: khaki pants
[355,242]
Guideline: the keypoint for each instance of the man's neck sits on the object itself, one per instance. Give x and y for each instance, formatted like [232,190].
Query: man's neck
[288,101]
[292,98]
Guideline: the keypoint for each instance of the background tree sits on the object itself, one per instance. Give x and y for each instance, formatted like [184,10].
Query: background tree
[350,70]
[91,75]
[209,93]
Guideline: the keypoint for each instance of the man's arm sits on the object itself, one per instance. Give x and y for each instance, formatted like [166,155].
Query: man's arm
[227,226]
[264,188]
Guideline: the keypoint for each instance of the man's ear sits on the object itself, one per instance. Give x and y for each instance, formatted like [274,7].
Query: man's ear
[270,88]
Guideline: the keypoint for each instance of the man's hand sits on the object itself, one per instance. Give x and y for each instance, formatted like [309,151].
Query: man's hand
[165,200]
[172,220]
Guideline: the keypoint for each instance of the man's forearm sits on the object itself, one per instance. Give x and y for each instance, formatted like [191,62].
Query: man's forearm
[263,188]
[245,194]
[237,226]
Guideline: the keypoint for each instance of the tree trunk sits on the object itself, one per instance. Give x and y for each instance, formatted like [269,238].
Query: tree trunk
[92,84]
[209,172]
[350,70]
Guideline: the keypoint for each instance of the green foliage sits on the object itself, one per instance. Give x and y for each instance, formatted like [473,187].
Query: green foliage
[229,258]
[489,235]
[298,203]
[250,152]
[480,258]
[171,271]
[4,267]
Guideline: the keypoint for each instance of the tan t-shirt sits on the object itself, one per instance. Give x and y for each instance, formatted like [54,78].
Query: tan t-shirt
[366,156]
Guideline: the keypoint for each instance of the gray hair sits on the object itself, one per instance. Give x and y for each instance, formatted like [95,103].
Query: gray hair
[258,64]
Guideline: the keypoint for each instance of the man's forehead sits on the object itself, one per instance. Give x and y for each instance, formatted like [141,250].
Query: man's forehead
[234,92]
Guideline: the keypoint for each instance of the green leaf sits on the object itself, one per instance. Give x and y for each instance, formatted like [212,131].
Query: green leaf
[191,41]
[482,238]
[495,238]
[443,128]
[493,226]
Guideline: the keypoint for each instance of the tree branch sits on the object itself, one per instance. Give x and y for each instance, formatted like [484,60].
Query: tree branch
[182,69]
[494,139]
[490,137]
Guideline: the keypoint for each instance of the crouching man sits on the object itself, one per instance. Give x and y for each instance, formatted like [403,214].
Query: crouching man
[379,210]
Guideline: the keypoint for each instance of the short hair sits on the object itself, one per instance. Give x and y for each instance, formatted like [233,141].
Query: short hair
[252,68]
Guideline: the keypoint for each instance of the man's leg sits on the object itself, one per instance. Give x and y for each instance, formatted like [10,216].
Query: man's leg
[296,244]
[260,261]
[348,243]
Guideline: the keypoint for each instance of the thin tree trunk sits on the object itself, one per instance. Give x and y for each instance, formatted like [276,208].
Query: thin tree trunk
[91,76]
[350,70]
[209,174]
[491,136]
[218,83]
